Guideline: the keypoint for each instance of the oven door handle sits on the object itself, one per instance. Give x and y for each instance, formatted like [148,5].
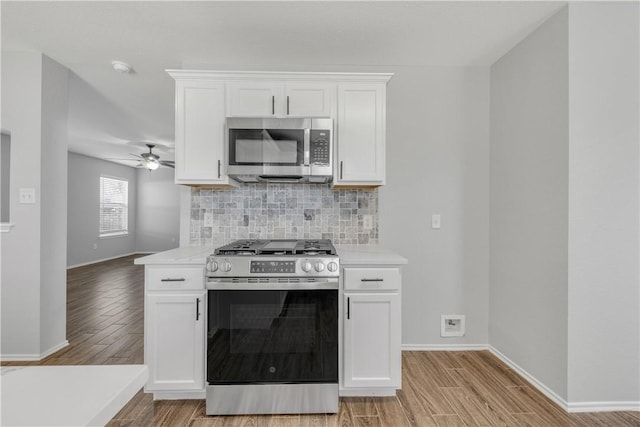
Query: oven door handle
[329,284]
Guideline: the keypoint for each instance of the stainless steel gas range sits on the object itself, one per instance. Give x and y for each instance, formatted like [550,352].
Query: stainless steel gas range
[272,333]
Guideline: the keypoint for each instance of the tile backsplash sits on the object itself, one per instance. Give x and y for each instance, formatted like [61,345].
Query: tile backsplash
[284,211]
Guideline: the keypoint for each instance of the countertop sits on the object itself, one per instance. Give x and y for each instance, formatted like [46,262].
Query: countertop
[349,255]
[195,255]
[368,255]
[67,395]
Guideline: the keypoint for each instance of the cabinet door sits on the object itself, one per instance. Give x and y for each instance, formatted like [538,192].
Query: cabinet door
[174,341]
[200,141]
[372,356]
[254,99]
[361,134]
[304,99]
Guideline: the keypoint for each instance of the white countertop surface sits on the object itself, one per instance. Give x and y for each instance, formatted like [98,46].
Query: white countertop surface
[183,255]
[349,255]
[368,255]
[67,395]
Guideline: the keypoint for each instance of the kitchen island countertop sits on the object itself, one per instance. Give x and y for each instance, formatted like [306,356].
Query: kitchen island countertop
[67,395]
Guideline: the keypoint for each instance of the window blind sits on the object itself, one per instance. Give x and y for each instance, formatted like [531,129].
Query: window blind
[114,199]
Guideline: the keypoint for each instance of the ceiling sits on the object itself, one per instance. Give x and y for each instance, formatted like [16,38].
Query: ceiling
[112,115]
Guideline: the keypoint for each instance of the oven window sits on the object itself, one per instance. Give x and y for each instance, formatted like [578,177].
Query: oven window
[266,147]
[272,337]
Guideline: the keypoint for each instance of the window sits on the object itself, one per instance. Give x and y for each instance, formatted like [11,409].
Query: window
[5,188]
[114,206]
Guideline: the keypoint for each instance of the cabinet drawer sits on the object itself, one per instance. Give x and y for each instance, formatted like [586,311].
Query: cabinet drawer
[174,278]
[371,278]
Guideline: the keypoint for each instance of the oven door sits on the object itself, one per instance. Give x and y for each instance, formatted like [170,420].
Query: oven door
[272,336]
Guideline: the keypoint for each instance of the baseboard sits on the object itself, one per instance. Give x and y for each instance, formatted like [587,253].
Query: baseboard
[542,388]
[604,406]
[108,259]
[444,347]
[32,357]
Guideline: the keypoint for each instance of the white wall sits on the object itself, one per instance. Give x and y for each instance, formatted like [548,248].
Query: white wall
[529,199]
[84,208]
[438,162]
[33,280]
[604,285]
[565,206]
[53,228]
[21,112]
[158,210]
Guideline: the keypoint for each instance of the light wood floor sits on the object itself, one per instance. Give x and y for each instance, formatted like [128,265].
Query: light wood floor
[105,326]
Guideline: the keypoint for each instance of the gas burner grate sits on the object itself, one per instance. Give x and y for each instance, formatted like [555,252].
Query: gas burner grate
[283,247]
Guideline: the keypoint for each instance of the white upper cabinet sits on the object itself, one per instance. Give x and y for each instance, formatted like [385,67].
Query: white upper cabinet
[310,99]
[254,99]
[355,101]
[275,99]
[199,139]
[361,135]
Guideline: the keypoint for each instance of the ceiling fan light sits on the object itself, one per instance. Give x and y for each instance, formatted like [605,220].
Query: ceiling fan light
[151,164]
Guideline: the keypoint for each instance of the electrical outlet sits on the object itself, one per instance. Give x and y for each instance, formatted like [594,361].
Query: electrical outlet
[452,325]
[28,196]
[367,222]
[208,219]
[95,246]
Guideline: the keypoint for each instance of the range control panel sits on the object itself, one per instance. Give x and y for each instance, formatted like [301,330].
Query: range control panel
[268,266]
[273,266]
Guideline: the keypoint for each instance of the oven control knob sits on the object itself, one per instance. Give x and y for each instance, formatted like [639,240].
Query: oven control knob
[319,266]
[332,267]
[226,266]
[306,266]
[212,266]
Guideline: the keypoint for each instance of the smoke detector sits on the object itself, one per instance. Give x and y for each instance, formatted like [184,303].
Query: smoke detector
[121,67]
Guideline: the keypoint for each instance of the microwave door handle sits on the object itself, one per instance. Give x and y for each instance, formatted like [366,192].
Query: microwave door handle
[307,144]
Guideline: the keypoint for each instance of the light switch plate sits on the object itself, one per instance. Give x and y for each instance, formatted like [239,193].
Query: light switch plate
[435,221]
[28,196]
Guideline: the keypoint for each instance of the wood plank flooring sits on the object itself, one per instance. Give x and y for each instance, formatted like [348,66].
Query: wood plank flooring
[468,388]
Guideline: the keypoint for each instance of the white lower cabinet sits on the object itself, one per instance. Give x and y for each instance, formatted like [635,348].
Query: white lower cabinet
[371,338]
[174,331]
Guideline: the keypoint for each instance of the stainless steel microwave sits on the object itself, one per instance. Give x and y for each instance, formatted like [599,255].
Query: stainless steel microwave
[291,150]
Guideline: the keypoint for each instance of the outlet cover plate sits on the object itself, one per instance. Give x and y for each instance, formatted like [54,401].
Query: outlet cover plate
[208,219]
[28,196]
[452,325]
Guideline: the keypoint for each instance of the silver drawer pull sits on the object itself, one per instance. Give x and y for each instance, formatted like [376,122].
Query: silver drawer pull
[182,279]
[372,280]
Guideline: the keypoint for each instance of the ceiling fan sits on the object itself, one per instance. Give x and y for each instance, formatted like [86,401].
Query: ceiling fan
[152,161]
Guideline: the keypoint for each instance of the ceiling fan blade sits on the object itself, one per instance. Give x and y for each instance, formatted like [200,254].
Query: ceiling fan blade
[168,163]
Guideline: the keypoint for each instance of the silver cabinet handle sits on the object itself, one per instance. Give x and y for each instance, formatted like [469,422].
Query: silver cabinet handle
[219,165]
[372,280]
[197,309]
[348,308]
[273,104]
[181,279]
[287,105]
[341,169]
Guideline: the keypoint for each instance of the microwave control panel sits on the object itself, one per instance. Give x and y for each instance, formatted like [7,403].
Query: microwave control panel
[320,147]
